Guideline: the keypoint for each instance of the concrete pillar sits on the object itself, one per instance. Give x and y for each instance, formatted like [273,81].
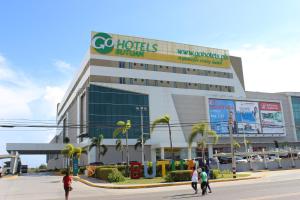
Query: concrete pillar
[14,162]
[162,153]
[250,148]
[189,153]
[210,151]
[292,158]
[265,160]
[153,155]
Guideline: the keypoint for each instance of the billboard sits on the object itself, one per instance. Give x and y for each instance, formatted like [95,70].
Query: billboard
[247,117]
[219,115]
[271,117]
[134,47]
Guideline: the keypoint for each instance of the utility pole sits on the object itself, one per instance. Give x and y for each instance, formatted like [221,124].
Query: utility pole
[231,144]
[142,109]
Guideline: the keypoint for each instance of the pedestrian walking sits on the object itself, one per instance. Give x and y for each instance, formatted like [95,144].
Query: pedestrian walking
[207,170]
[195,180]
[67,180]
[203,179]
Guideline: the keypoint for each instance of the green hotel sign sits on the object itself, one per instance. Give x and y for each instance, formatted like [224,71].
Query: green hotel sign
[103,43]
[134,47]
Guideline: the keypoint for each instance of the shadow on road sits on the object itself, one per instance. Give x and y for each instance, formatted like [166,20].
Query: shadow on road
[183,196]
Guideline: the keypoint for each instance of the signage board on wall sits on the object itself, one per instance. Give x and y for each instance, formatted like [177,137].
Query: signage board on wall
[142,48]
[219,110]
[271,117]
[250,117]
[247,117]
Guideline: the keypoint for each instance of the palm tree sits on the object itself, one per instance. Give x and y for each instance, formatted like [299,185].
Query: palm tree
[123,128]
[78,151]
[165,119]
[120,147]
[205,132]
[236,145]
[139,142]
[97,142]
[68,152]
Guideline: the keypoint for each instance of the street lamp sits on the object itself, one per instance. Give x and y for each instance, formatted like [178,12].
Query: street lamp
[142,109]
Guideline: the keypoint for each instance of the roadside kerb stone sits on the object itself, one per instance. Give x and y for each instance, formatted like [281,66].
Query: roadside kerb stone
[137,186]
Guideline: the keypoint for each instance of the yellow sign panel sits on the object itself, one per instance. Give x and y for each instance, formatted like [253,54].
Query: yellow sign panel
[141,48]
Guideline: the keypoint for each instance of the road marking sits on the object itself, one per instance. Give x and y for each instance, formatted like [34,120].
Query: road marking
[275,196]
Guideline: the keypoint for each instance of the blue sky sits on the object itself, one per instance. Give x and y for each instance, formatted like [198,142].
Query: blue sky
[43,42]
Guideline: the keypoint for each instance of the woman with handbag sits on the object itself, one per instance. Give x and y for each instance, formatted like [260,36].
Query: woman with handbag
[67,180]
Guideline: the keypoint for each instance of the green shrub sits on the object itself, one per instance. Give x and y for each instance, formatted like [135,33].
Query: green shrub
[215,173]
[168,178]
[115,176]
[103,173]
[81,170]
[121,168]
[180,175]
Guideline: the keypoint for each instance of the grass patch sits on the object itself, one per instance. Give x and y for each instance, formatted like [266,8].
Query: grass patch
[129,181]
[230,175]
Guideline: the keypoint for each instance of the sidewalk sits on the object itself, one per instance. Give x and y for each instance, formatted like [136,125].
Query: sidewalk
[102,184]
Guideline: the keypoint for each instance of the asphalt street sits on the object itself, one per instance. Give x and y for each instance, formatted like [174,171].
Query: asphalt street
[275,185]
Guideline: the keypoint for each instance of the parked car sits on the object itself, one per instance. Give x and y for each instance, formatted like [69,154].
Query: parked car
[257,158]
[24,168]
[272,157]
[240,159]
[224,160]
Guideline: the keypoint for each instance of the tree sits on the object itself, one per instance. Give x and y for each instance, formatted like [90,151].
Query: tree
[66,140]
[120,147]
[165,119]
[205,132]
[139,142]
[101,149]
[123,128]
[68,152]
[236,145]
[43,166]
[78,151]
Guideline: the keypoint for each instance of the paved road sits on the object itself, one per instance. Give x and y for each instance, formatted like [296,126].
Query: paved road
[277,185]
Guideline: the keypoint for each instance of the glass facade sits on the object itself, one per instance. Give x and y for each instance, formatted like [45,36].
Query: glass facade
[107,106]
[296,112]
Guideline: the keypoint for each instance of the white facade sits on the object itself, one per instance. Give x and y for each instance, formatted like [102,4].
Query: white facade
[179,103]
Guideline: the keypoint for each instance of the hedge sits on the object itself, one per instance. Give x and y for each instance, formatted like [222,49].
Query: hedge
[121,168]
[180,175]
[103,173]
[115,176]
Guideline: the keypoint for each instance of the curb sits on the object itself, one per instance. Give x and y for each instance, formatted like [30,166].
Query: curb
[154,185]
[9,177]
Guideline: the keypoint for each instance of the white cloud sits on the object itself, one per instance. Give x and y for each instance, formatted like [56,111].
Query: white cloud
[54,95]
[269,69]
[16,92]
[63,66]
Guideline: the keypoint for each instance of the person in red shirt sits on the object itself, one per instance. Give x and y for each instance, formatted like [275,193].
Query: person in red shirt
[67,180]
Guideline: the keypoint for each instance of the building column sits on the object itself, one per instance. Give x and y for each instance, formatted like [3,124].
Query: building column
[250,147]
[14,162]
[189,153]
[162,153]
[210,151]
[153,155]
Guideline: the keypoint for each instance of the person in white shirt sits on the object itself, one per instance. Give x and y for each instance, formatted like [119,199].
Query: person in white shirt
[195,180]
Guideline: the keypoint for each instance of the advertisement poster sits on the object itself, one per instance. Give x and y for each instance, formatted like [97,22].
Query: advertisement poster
[219,115]
[271,117]
[247,117]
